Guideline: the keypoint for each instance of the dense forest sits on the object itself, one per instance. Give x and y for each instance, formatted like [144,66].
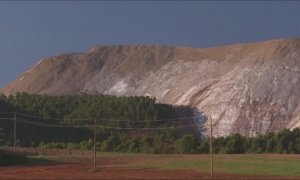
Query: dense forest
[82,106]
[44,118]
[285,141]
[124,124]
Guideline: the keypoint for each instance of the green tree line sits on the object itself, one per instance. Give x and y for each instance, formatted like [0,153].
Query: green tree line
[111,111]
[285,141]
[137,113]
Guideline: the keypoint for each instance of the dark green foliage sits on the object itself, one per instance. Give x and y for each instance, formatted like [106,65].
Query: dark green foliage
[235,144]
[111,111]
[285,141]
[85,106]
[187,144]
[11,159]
[134,146]
[148,145]
[203,147]
[135,112]
[111,143]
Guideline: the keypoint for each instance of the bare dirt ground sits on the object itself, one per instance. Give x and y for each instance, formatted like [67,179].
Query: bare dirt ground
[110,166]
[83,171]
[80,170]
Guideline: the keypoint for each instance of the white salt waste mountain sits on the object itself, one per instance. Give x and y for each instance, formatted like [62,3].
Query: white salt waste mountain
[246,88]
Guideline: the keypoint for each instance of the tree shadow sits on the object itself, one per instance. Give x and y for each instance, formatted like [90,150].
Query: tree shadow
[197,117]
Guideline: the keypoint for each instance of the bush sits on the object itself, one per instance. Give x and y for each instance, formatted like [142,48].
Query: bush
[187,144]
[235,144]
[111,143]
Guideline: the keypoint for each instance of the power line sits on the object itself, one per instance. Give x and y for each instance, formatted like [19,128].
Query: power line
[6,113]
[107,119]
[202,124]
[39,117]
[50,125]
[6,118]
[157,128]
[97,126]
[154,120]
[256,122]
[133,120]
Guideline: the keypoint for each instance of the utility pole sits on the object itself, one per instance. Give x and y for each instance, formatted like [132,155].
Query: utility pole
[211,152]
[15,131]
[95,164]
[1,135]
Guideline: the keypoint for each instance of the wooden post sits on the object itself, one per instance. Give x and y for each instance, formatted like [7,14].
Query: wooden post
[211,152]
[95,164]
[15,132]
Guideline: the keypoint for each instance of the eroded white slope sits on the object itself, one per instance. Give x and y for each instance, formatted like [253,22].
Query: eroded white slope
[249,88]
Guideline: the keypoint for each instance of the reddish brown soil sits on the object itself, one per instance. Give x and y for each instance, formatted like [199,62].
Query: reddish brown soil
[79,166]
[84,171]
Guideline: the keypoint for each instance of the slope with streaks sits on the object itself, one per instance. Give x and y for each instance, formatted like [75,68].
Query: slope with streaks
[246,88]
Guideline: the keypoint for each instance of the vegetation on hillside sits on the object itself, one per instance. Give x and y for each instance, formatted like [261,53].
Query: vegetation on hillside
[112,113]
[82,106]
[132,115]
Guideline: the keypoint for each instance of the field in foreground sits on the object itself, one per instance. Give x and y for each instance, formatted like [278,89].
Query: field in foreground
[148,166]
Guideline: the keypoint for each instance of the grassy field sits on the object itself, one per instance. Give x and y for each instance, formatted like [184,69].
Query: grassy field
[245,164]
[276,165]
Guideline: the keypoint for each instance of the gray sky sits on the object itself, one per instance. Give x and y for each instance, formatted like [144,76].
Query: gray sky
[30,31]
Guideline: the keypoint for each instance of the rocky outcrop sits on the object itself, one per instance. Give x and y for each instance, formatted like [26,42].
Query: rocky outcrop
[246,88]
